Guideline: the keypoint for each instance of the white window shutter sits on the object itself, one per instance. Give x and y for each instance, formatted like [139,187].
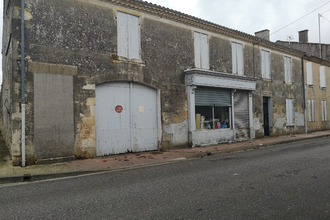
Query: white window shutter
[205,51]
[322,77]
[268,76]
[289,111]
[325,111]
[197,46]
[322,110]
[309,73]
[265,64]
[133,37]
[287,69]
[313,110]
[239,52]
[286,75]
[309,110]
[122,34]
[234,57]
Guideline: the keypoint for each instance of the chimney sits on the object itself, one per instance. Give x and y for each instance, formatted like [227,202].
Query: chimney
[264,34]
[303,36]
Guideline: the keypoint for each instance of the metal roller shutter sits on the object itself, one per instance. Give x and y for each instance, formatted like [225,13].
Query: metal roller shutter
[241,106]
[212,96]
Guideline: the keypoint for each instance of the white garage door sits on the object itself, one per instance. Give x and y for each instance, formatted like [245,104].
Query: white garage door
[126,118]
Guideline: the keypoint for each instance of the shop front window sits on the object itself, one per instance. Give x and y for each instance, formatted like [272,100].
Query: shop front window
[212,117]
[212,108]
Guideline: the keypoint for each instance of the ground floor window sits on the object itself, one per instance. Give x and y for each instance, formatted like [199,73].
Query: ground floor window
[212,108]
[211,117]
[324,110]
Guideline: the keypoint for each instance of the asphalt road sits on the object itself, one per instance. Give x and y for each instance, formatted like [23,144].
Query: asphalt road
[289,181]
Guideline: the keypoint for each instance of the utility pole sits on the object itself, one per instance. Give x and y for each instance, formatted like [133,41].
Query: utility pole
[320,46]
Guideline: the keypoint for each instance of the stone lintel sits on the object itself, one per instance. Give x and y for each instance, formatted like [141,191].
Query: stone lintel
[37,67]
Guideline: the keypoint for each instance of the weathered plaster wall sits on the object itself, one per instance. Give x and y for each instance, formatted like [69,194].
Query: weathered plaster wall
[276,89]
[84,34]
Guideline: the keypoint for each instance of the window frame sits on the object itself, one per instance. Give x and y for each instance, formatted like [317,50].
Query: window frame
[265,64]
[309,74]
[288,69]
[323,80]
[128,36]
[201,50]
[311,110]
[324,112]
[289,112]
[237,58]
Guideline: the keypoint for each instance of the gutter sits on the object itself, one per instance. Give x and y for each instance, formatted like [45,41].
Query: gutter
[304,93]
[23,81]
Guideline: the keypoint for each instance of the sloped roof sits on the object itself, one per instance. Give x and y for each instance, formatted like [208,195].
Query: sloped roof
[183,18]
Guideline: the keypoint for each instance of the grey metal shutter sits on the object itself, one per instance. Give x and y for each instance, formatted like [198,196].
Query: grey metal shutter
[241,106]
[212,96]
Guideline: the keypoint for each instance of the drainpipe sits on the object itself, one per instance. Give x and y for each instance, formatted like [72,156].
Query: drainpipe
[233,111]
[23,82]
[304,93]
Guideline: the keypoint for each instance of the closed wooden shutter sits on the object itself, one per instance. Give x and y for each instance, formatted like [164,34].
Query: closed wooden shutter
[322,77]
[287,69]
[241,106]
[212,97]
[133,37]
[240,59]
[289,111]
[265,62]
[122,31]
[128,28]
[309,74]
[201,45]
[237,58]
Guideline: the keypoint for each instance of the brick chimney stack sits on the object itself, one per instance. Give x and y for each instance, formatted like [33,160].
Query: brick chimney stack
[264,34]
[303,36]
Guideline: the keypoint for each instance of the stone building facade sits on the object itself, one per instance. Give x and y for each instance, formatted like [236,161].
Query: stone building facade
[108,77]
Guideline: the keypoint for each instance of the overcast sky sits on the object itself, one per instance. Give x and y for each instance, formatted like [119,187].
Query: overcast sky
[251,16]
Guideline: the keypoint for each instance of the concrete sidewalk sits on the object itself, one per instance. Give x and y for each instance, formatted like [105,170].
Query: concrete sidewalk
[10,174]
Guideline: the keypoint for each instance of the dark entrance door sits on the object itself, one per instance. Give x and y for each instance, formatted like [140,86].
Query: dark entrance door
[266,115]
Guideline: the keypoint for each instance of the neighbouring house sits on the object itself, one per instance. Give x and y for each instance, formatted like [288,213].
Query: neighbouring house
[311,49]
[110,77]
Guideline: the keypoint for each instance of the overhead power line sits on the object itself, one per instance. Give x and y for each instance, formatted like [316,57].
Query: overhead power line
[300,18]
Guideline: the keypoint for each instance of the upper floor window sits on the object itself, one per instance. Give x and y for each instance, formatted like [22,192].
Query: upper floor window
[201,44]
[323,80]
[309,73]
[289,112]
[237,58]
[288,69]
[128,29]
[265,64]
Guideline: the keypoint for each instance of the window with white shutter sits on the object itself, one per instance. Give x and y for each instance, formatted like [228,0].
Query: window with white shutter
[265,64]
[287,69]
[309,73]
[311,110]
[289,112]
[237,58]
[128,30]
[324,110]
[201,45]
[322,77]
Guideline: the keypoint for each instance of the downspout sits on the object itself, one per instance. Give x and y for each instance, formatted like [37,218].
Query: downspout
[23,82]
[304,92]
[233,111]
